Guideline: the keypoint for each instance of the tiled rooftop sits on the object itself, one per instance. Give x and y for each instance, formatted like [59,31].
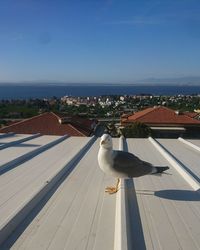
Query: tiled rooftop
[161,115]
[52,195]
[49,124]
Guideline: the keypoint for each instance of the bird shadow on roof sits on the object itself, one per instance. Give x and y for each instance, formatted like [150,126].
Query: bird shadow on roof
[135,235]
[178,195]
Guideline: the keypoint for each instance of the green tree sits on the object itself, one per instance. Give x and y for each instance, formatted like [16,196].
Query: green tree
[112,130]
[136,130]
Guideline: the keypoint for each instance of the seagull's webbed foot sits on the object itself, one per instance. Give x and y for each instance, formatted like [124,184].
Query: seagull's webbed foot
[112,190]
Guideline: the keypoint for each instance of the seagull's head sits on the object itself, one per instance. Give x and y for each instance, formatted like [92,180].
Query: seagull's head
[106,141]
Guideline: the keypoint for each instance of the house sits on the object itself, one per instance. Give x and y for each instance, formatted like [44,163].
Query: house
[165,122]
[50,123]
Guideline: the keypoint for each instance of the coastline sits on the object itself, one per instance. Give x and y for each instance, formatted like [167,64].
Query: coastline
[22,91]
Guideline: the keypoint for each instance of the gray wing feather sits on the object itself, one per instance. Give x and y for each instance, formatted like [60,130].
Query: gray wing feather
[125,162]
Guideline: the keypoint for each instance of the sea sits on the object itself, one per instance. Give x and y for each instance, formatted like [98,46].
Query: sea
[47,91]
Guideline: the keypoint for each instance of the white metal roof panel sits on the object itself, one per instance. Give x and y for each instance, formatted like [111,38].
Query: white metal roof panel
[18,150]
[19,184]
[80,215]
[169,208]
[13,138]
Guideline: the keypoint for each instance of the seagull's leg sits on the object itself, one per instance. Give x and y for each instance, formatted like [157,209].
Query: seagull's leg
[112,190]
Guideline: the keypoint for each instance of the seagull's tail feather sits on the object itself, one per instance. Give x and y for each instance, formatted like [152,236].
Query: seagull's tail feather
[159,170]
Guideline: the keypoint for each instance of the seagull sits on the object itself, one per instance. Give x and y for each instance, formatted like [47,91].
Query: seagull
[121,164]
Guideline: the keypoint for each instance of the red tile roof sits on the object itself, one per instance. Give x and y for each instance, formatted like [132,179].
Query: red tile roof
[78,122]
[161,115]
[191,114]
[48,124]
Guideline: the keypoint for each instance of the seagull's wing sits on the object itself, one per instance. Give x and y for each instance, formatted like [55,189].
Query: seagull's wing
[129,164]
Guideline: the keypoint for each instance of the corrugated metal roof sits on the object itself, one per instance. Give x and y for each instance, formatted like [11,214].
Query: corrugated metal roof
[54,197]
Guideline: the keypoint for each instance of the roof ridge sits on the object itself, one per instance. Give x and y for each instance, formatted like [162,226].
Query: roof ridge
[81,127]
[152,109]
[24,120]
[183,114]
[75,129]
[172,110]
[192,118]
[164,109]
[55,115]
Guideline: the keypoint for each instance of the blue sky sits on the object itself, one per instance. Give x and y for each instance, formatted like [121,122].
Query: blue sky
[98,40]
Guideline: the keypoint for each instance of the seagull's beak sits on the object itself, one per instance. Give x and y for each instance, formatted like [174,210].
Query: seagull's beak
[103,142]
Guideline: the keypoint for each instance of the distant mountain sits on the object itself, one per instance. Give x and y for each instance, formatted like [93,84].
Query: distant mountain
[189,80]
[193,80]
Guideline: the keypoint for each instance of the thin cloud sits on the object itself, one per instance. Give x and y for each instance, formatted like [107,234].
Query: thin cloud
[134,22]
[17,37]
[11,36]
[106,7]
[108,4]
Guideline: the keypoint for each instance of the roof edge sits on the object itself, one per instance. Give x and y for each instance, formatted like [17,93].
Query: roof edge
[24,120]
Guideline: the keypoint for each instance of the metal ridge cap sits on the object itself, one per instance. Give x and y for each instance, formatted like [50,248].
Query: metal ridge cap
[120,238]
[178,166]
[189,144]
[128,225]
